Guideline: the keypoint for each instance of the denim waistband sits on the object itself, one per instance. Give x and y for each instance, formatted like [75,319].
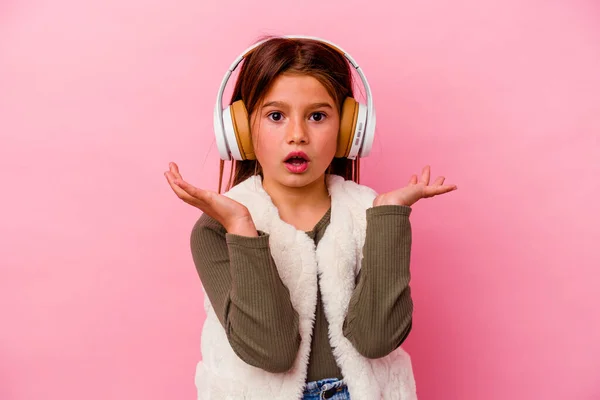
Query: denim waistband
[324,384]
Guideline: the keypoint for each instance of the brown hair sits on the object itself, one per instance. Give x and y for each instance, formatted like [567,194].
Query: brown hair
[285,55]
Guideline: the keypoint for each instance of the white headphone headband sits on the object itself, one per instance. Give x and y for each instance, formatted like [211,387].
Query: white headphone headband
[365,142]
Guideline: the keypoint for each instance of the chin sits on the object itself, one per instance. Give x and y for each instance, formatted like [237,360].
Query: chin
[300,180]
[296,181]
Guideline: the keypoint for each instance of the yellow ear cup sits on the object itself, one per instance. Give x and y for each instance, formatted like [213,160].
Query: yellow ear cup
[347,127]
[241,126]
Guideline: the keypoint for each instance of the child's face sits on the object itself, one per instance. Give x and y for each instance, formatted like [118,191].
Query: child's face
[297,115]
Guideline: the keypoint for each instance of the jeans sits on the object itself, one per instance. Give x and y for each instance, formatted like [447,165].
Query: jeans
[333,389]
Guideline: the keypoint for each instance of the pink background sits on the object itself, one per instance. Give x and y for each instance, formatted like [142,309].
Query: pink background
[99,298]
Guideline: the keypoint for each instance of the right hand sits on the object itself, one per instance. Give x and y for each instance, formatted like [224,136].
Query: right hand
[234,216]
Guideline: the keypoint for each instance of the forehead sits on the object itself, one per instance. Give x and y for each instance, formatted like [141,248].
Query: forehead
[295,87]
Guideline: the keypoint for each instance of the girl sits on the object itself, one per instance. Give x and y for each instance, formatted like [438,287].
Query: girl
[305,271]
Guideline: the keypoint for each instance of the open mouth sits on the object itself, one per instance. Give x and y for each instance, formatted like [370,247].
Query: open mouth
[296,162]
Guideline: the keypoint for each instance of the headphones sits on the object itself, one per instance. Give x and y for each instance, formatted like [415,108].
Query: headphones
[357,120]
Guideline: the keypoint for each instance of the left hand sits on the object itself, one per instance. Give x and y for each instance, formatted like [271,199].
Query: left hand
[415,190]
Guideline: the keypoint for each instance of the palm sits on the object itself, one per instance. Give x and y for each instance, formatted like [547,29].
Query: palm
[223,209]
[415,190]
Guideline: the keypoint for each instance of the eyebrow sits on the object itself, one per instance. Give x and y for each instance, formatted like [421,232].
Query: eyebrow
[282,104]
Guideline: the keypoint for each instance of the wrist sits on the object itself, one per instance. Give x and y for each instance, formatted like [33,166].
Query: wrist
[382,200]
[242,227]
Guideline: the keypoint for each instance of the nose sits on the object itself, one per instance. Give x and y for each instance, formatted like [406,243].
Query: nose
[296,132]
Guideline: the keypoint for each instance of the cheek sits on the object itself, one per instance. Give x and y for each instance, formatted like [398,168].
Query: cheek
[327,147]
[264,143]
[328,141]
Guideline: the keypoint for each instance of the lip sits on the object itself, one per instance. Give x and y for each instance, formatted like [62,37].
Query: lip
[297,168]
[297,154]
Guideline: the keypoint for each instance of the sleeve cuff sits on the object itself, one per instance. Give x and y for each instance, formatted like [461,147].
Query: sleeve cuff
[388,210]
[254,242]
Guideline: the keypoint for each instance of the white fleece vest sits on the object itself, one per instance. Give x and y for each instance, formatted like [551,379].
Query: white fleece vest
[222,375]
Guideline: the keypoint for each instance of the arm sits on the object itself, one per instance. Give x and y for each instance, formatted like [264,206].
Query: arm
[247,294]
[380,310]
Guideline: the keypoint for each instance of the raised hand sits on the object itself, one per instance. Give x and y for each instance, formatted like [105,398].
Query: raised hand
[234,216]
[415,190]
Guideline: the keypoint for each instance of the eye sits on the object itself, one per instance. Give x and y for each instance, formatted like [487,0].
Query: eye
[318,116]
[275,116]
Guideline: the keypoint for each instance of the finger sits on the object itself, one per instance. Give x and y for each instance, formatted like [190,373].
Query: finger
[201,198]
[172,182]
[413,180]
[182,194]
[431,191]
[175,170]
[425,175]
[193,191]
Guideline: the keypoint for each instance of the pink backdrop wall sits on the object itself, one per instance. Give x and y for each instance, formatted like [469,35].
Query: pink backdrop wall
[99,298]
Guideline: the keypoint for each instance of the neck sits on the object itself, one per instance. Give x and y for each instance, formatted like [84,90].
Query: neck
[296,202]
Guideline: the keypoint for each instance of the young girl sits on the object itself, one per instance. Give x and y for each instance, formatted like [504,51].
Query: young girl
[306,272]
